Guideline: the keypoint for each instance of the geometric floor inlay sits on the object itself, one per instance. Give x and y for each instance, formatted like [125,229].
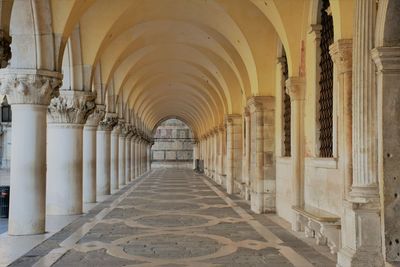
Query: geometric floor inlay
[173,218]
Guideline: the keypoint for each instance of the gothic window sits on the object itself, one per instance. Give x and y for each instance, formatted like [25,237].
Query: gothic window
[326,84]
[286,109]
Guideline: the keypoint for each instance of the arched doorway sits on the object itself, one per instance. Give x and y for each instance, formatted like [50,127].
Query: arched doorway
[173,145]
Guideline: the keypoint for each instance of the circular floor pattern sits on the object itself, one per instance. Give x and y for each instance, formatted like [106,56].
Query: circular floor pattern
[167,206]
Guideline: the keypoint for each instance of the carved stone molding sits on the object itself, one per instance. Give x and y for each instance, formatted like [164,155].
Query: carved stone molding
[72,107]
[259,103]
[232,119]
[29,86]
[97,116]
[121,128]
[342,54]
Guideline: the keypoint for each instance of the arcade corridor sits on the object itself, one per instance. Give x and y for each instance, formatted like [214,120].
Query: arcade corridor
[173,217]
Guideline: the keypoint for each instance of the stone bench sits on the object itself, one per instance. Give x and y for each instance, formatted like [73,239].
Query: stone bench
[321,225]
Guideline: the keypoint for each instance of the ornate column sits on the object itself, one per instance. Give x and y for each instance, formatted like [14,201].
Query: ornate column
[114,175]
[341,53]
[89,154]
[128,174]
[387,60]
[121,154]
[361,246]
[66,116]
[295,87]
[234,151]
[262,153]
[29,93]
[103,151]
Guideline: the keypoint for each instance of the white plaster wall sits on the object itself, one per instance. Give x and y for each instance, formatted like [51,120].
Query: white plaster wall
[283,188]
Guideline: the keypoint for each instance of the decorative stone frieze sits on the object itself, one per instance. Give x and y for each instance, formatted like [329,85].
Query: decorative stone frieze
[71,107]
[97,116]
[29,86]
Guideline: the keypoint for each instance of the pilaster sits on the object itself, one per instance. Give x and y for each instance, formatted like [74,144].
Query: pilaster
[262,153]
[234,151]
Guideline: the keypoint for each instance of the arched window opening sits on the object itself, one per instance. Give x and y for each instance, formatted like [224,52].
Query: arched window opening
[326,83]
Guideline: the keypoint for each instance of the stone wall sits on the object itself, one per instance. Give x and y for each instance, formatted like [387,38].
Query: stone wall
[173,145]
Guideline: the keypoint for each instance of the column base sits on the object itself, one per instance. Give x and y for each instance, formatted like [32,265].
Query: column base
[361,235]
[262,202]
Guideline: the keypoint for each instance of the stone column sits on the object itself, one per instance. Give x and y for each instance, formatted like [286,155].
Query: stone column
[67,115]
[137,157]
[221,142]
[89,154]
[234,151]
[195,156]
[29,93]
[149,157]
[387,60]
[133,172]
[341,53]
[361,246]
[114,175]
[246,162]
[295,87]
[262,153]
[215,149]
[121,155]
[128,175]
[103,151]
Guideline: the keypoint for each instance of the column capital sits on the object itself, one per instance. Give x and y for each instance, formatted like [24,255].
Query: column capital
[315,31]
[259,103]
[111,119]
[295,88]
[387,59]
[341,52]
[29,86]
[71,107]
[232,119]
[97,116]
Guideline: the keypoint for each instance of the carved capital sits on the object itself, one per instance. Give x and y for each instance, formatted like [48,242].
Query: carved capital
[259,103]
[341,52]
[295,88]
[72,107]
[111,119]
[29,86]
[97,116]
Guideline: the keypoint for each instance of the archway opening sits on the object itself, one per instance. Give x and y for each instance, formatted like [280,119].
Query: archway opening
[173,145]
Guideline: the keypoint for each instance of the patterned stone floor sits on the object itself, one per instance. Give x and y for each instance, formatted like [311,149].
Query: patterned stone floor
[173,218]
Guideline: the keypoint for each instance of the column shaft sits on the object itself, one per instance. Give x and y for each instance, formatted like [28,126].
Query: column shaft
[28,170]
[103,165]
[121,160]
[89,164]
[64,169]
[114,159]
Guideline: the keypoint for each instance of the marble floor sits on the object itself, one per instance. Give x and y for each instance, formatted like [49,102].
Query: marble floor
[174,217]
